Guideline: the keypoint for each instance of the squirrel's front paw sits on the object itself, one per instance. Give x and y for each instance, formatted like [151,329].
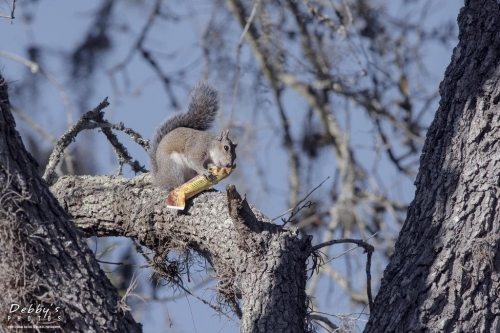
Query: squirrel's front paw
[209,175]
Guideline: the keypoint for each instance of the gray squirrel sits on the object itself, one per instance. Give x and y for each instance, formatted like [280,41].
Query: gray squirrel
[182,148]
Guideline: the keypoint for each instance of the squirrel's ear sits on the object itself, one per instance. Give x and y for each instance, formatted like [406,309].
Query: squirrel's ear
[224,135]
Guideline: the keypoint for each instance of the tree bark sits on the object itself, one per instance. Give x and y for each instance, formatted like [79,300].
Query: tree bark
[267,262]
[444,273]
[43,260]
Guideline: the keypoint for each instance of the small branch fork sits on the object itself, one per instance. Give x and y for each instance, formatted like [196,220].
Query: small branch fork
[368,250]
[91,120]
[299,206]
[12,9]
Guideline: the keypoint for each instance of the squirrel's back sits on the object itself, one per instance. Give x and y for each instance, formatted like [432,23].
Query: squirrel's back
[201,113]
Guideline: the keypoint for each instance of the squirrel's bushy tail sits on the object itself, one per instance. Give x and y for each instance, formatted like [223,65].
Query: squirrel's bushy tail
[202,110]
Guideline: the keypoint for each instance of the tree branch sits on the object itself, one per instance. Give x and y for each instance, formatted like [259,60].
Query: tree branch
[324,320]
[90,120]
[368,250]
[237,240]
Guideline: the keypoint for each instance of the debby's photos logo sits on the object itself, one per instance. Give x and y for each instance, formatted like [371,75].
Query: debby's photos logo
[33,316]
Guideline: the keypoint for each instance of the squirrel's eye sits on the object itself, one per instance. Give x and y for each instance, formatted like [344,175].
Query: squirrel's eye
[226,147]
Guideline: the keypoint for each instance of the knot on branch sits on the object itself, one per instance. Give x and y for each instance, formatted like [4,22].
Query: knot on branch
[243,218]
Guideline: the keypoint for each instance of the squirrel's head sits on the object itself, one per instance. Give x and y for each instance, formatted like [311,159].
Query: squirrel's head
[224,152]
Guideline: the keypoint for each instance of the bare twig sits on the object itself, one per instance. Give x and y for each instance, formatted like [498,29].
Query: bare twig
[11,16]
[36,68]
[321,17]
[216,308]
[324,320]
[138,43]
[119,148]
[368,250]
[204,44]
[136,46]
[91,120]
[65,140]
[52,139]
[238,56]
[176,281]
[293,155]
[349,250]
[43,133]
[296,209]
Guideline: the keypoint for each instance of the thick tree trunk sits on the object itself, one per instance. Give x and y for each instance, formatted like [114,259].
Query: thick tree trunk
[444,273]
[44,263]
